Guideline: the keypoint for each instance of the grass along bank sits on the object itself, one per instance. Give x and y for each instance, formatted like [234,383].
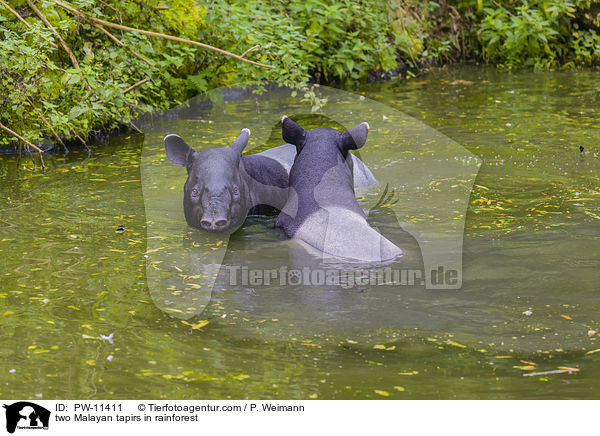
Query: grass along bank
[70,69]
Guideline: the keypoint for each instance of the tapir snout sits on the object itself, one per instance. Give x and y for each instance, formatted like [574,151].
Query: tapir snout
[215,216]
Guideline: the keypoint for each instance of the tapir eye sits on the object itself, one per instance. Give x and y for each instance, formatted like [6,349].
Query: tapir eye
[195,192]
[235,193]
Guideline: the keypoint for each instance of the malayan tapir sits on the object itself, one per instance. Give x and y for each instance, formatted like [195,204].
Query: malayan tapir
[223,186]
[321,209]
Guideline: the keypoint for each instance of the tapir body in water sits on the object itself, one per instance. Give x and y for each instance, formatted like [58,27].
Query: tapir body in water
[321,209]
[223,186]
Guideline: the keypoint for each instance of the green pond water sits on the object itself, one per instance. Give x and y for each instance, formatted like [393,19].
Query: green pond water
[529,300]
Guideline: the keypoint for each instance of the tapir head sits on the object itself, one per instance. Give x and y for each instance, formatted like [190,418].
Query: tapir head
[352,139]
[214,194]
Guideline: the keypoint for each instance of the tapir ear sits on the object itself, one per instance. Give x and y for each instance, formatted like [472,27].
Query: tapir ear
[240,142]
[292,133]
[178,152]
[356,137]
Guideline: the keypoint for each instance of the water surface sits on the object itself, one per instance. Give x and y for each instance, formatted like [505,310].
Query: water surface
[529,301]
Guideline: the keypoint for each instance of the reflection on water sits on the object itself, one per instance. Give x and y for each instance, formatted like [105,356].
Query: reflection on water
[528,301]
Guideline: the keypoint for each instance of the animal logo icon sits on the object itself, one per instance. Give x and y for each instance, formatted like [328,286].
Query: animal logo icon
[24,414]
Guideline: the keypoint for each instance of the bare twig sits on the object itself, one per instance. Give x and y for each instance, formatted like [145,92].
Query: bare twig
[64,45]
[47,123]
[135,128]
[106,4]
[16,135]
[250,49]
[16,14]
[56,34]
[556,371]
[136,85]
[74,132]
[502,7]
[156,34]
[122,44]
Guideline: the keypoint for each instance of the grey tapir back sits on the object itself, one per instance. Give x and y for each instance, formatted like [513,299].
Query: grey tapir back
[322,210]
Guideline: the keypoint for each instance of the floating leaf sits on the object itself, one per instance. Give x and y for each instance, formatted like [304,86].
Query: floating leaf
[197,325]
[240,377]
[456,344]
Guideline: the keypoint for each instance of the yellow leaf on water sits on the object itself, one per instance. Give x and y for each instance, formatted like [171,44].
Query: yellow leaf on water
[456,344]
[240,377]
[567,317]
[593,351]
[382,393]
[399,388]
[154,250]
[196,326]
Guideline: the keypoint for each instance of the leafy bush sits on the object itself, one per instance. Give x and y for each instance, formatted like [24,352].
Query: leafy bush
[541,33]
[44,94]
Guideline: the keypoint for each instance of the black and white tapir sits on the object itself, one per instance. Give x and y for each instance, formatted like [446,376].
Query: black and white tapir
[321,209]
[223,186]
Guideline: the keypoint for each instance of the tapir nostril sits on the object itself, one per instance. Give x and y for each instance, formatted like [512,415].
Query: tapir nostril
[221,223]
[205,223]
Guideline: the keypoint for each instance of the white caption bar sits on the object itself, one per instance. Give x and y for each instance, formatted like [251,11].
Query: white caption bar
[149,417]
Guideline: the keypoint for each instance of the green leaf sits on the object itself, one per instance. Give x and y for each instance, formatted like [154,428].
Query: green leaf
[75,78]
[76,111]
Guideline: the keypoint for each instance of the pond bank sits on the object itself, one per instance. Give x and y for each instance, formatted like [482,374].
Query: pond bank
[100,79]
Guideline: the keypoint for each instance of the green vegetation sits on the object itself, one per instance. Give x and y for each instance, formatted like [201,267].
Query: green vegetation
[47,93]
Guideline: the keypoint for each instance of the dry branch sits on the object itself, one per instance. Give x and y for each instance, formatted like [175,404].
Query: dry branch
[16,135]
[56,34]
[250,49]
[16,14]
[135,85]
[156,34]
[74,132]
[47,123]
[122,44]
